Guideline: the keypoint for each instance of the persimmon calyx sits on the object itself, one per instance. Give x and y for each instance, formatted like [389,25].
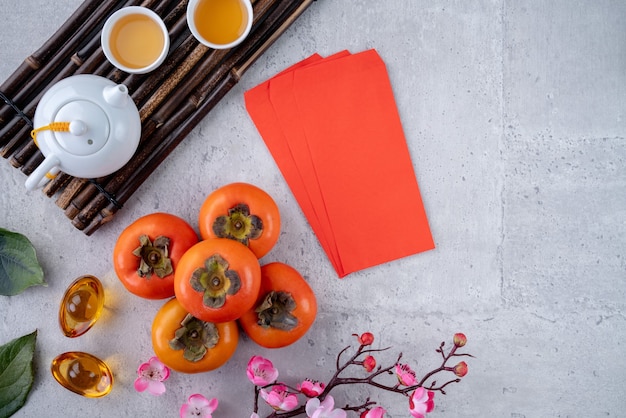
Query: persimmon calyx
[154,257]
[195,337]
[275,311]
[215,280]
[239,224]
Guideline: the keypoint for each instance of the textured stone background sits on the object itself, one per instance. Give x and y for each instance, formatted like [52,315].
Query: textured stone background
[514,117]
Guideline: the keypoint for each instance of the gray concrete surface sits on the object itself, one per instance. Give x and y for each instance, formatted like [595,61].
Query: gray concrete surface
[514,113]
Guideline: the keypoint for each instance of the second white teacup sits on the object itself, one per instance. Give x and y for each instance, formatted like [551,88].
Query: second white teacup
[219,24]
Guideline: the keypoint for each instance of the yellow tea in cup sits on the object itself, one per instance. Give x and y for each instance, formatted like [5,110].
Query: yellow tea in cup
[135,39]
[220,23]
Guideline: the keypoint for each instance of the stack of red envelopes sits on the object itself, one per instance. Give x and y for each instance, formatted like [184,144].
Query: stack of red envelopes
[333,128]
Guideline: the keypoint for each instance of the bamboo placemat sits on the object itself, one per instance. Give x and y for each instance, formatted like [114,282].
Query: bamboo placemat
[171,100]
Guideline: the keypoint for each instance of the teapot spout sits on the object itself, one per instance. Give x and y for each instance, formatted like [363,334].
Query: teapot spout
[116,95]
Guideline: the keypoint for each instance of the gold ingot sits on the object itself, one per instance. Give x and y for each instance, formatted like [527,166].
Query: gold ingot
[81,306]
[82,373]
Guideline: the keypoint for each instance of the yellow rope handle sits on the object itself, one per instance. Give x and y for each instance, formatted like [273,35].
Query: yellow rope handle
[54,126]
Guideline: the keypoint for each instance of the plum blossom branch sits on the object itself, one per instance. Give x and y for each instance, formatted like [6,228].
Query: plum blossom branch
[284,400]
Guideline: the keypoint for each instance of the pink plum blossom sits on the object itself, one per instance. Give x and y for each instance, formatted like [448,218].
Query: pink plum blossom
[151,376]
[377,412]
[311,388]
[254,415]
[324,409]
[421,402]
[405,375]
[261,371]
[279,398]
[198,406]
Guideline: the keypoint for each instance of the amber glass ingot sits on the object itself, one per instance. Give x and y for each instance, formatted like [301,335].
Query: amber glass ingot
[81,306]
[82,373]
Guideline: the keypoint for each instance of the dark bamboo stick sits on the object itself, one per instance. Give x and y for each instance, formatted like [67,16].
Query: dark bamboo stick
[166,88]
[25,153]
[86,52]
[157,5]
[171,15]
[200,103]
[95,61]
[83,197]
[34,161]
[141,92]
[13,139]
[57,183]
[20,137]
[163,151]
[74,186]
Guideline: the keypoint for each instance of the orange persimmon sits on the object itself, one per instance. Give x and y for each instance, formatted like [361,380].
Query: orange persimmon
[285,309]
[147,252]
[189,345]
[242,212]
[217,280]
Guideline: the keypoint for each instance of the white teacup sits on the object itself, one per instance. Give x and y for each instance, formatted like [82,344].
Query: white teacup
[220,24]
[135,40]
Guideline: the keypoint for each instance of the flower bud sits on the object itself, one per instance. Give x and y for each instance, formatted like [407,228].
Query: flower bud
[369,363]
[367,338]
[459,339]
[460,369]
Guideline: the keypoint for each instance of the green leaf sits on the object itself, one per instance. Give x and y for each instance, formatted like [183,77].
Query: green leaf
[19,268]
[16,373]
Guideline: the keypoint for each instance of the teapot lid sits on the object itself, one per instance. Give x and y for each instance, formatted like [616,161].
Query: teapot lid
[89,127]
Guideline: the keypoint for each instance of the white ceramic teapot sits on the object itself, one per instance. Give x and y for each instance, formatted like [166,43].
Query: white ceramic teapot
[86,126]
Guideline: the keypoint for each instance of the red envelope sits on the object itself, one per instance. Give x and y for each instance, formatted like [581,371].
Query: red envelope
[333,129]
